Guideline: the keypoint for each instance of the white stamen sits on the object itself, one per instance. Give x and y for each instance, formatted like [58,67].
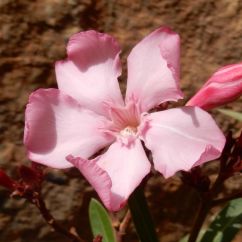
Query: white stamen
[128,131]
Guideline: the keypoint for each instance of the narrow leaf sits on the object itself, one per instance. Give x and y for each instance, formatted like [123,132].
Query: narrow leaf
[186,237]
[231,113]
[141,216]
[226,224]
[100,222]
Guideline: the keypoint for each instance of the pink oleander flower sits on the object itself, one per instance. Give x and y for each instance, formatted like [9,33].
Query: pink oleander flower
[68,125]
[224,86]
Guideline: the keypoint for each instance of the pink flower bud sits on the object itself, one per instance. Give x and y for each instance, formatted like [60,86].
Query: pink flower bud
[224,86]
[6,181]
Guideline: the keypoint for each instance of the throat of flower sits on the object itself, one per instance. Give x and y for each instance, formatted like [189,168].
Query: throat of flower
[128,131]
[127,136]
[124,122]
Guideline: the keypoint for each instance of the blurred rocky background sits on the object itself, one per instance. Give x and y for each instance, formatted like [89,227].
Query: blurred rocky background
[33,34]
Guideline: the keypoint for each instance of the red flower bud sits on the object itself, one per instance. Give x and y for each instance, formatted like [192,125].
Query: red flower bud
[98,238]
[31,175]
[224,86]
[27,174]
[6,181]
[240,140]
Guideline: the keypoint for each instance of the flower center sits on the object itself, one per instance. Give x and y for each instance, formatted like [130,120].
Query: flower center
[124,122]
[128,131]
[125,119]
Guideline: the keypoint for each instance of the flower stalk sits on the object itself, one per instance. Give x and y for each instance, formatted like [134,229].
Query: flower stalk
[141,216]
[230,162]
[40,204]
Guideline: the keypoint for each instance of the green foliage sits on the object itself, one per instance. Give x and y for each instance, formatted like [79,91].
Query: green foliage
[226,224]
[185,238]
[100,222]
[230,113]
[141,216]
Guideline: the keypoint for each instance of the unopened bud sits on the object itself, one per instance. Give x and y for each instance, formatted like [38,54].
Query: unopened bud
[98,238]
[6,181]
[30,176]
[224,86]
[240,140]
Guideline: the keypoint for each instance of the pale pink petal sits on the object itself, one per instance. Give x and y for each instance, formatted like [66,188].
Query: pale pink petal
[56,126]
[90,73]
[126,166]
[181,138]
[98,178]
[153,69]
[224,86]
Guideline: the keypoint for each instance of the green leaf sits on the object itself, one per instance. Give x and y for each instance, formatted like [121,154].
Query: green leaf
[141,216]
[186,237]
[226,224]
[230,113]
[100,222]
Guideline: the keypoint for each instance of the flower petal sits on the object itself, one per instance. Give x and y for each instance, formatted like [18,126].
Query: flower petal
[153,69]
[181,138]
[125,166]
[98,178]
[90,73]
[56,125]
[114,178]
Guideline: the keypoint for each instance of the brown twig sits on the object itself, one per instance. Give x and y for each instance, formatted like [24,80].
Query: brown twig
[125,223]
[205,205]
[226,199]
[201,216]
[40,204]
[123,226]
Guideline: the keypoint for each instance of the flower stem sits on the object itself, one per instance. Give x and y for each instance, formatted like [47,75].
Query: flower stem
[123,226]
[207,199]
[141,216]
[40,204]
[226,199]
[205,205]
[201,216]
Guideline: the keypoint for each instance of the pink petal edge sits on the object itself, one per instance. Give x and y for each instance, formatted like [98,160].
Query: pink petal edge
[113,177]
[126,165]
[90,73]
[153,69]
[97,177]
[57,125]
[181,138]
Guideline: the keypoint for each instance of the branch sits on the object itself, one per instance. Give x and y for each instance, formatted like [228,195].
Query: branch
[40,204]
